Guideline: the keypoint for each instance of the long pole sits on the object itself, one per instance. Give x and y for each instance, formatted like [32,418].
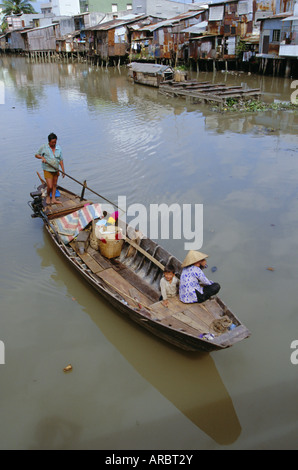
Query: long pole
[85,187]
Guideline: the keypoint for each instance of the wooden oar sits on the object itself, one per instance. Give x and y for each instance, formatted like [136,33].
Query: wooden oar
[144,252]
[86,187]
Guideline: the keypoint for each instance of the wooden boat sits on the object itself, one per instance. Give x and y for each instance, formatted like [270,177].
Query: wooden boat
[150,74]
[131,280]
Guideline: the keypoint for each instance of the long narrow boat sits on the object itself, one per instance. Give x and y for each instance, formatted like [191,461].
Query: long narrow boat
[131,280]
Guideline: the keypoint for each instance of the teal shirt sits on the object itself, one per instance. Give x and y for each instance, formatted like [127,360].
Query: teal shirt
[46,151]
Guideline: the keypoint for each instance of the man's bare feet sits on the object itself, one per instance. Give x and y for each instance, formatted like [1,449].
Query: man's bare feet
[48,200]
[55,201]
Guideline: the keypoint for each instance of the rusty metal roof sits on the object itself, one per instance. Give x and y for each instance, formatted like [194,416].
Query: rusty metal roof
[275,17]
[114,23]
[172,21]
[196,28]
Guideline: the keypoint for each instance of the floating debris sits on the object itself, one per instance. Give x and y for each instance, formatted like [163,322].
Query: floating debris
[270,269]
[209,336]
[255,105]
[68,368]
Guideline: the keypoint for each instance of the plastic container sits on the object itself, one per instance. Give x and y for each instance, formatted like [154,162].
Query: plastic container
[101,223]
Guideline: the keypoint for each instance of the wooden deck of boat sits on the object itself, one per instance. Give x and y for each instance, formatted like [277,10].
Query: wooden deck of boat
[194,319]
[69,203]
[207,91]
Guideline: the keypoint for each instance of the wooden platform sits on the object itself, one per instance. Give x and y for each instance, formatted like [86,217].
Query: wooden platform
[69,203]
[207,91]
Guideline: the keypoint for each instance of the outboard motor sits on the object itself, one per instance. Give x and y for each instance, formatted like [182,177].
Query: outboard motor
[36,204]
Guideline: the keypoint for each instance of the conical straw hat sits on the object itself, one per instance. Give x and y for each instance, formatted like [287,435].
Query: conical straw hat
[193,257]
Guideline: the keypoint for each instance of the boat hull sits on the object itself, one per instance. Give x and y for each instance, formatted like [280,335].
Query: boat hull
[139,316]
[112,279]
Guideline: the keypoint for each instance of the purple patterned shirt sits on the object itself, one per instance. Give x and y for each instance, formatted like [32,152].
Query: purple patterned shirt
[192,279]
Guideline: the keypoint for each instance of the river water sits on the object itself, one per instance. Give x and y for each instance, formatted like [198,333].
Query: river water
[128,390]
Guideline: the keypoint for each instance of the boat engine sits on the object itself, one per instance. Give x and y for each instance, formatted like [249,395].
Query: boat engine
[36,204]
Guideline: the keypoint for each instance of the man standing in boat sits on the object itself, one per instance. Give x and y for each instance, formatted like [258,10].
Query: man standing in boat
[51,156]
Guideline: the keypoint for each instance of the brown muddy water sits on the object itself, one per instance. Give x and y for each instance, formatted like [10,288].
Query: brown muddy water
[128,390]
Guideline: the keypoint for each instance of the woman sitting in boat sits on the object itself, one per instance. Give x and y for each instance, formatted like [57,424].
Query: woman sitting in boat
[194,285]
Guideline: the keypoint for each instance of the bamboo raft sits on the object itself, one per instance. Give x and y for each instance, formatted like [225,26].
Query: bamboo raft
[207,92]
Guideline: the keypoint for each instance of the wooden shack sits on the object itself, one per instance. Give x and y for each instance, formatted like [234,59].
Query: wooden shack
[65,43]
[150,74]
[271,37]
[72,43]
[15,40]
[229,22]
[165,40]
[42,38]
[111,39]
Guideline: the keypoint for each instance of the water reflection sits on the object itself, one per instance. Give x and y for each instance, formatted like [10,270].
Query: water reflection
[101,88]
[188,380]
[20,75]
[257,124]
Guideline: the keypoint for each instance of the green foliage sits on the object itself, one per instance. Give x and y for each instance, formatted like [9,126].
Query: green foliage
[182,68]
[240,48]
[4,26]
[255,106]
[16,7]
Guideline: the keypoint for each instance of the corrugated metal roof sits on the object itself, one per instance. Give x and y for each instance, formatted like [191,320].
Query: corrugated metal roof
[172,21]
[291,18]
[39,27]
[149,68]
[196,28]
[252,39]
[275,17]
[114,23]
[142,22]
[105,26]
